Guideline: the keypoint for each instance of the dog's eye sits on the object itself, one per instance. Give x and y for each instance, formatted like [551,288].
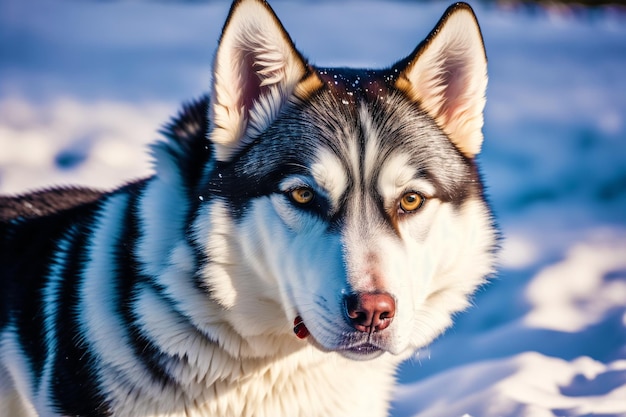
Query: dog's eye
[302,195]
[411,201]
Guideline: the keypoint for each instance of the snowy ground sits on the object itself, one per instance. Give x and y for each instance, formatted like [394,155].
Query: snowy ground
[85,85]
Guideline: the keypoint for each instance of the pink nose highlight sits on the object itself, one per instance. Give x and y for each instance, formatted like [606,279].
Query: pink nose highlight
[370,312]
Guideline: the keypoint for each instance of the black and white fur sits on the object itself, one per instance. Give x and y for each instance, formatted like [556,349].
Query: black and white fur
[344,202]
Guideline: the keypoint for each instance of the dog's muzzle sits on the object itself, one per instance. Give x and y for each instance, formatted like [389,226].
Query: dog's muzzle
[368,314]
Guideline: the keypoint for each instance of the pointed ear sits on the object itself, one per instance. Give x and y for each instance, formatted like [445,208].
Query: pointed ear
[256,70]
[447,76]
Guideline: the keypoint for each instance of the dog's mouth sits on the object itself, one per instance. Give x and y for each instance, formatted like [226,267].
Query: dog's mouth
[356,351]
[361,352]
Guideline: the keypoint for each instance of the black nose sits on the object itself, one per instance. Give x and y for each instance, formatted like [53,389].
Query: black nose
[370,312]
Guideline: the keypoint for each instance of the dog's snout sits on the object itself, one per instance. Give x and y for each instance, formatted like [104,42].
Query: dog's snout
[370,312]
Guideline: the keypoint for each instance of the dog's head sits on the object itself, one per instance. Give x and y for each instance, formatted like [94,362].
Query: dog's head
[345,204]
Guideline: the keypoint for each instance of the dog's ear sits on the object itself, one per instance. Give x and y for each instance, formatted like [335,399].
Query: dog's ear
[447,76]
[256,70]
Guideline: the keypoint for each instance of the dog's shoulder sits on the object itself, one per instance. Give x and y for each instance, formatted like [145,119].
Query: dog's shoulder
[45,202]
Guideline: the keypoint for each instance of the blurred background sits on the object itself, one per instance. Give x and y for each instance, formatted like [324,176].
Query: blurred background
[85,85]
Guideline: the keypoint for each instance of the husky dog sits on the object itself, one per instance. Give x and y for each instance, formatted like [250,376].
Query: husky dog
[306,230]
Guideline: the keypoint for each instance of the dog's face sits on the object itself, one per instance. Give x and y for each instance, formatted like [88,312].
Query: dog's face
[345,204]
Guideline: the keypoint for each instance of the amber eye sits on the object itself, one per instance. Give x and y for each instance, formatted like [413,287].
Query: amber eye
[302,195]
[411,202]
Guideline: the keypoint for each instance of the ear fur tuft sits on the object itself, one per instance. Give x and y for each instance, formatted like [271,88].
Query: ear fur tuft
[447,76]
[256,71]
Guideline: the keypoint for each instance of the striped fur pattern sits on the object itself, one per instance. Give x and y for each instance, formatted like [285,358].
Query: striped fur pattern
[344,205]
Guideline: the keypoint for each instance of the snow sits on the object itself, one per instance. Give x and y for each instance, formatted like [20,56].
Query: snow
[527,384]
[84,86]
[69,141]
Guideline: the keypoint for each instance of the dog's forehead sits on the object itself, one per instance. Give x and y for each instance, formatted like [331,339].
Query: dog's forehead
[363,157]
[367,136]
[351,85]
[365,127]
